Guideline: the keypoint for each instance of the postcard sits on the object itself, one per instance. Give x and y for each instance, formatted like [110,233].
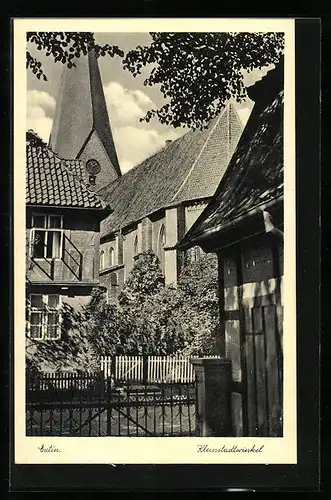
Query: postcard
[154,268]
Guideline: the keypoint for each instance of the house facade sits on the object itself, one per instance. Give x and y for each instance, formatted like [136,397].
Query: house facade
[62,239]
[243,225]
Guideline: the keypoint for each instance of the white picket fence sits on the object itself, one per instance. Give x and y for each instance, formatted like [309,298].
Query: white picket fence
[126,367]
[61,381]
[160,369]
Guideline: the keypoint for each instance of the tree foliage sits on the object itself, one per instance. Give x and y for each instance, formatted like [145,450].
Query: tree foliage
[150,319]
[63,47]
[144,280]
[198,72]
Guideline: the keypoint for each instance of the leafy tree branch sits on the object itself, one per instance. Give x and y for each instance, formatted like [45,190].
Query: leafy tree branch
[198,72]
[64,47]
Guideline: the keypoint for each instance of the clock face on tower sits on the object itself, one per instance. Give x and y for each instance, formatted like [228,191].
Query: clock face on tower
[93,166]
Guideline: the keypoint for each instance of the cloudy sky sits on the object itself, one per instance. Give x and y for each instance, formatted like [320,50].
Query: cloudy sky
[126,97]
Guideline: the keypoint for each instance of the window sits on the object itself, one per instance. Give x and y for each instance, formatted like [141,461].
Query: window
[44,317]
[135,247]
[102,260]
[196,253]
[111,256]
[119,239]
[160,246]
[114,279]
[47,236]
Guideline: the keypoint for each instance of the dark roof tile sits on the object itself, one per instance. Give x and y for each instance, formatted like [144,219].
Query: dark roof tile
[52,181]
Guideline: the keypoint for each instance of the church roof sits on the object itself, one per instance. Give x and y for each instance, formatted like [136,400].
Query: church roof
[189,168]
[81,111]
[55,182]
[254,177]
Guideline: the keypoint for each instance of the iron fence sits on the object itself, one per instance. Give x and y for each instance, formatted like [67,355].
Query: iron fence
[90,405]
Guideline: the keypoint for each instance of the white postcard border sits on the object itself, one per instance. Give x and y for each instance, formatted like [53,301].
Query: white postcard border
[130,450]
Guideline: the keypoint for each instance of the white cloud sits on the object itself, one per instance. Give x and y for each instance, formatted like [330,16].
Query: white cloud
[142,144]
[244,114]
[126,106]
[40,98]
[40,109]
[134,141]
[143,98]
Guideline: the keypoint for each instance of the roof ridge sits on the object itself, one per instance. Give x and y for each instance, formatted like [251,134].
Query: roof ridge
[199,154]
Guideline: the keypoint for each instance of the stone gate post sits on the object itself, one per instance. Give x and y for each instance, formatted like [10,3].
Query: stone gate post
[213,406]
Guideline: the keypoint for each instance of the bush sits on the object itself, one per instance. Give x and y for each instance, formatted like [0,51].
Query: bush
[149,319]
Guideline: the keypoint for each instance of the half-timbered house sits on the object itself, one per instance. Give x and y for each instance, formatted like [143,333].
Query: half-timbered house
[243,225]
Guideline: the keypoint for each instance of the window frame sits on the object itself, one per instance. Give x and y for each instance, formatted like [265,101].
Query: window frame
[44,312]
[46,229]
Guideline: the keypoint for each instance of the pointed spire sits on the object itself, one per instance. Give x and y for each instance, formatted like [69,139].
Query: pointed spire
[81,127]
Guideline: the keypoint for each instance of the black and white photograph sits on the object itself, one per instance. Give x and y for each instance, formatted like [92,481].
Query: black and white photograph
[155,291]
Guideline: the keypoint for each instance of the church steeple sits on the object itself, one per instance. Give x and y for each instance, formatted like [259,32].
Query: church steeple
[81,127]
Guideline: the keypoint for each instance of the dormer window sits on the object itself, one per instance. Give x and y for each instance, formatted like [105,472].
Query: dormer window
[46,236]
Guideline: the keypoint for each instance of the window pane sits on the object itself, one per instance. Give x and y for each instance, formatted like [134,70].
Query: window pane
[111,257]
[38,243]
[39,221]
[53,301]
[55,237]
[55,221]
[36,301]
[102,260]
[35,331]
[135,246]
[53,326]
[52,318]
[35,318]
[52,332]
[35,325]
[53,245]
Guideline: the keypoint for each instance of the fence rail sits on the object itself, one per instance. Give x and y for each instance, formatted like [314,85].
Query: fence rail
[152,369]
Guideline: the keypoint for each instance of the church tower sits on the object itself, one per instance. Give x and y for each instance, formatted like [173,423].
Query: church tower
[81,127]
